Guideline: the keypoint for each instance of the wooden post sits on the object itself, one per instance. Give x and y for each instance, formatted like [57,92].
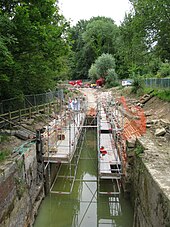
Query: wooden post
[20,115]
[10,119]
[44,108]
[30,113]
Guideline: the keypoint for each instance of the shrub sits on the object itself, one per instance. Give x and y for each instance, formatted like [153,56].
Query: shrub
[4,154]
[164,70]
[138,85]
[111,79]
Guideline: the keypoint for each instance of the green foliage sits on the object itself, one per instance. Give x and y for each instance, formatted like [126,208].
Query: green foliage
[139,149]
[152,20]
[144,38]
[101,36]
[164,70]
[93,73]
[104,67]
[162,94]
[111,79]
[4,154]
[34,46]
[103,63]
[132,47]
[90,40]
[138,85]
[4,138]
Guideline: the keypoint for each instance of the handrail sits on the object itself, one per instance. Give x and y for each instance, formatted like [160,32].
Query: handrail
[17,115]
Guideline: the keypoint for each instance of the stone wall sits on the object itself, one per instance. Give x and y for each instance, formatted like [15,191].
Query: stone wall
[21,189]
[150,185]
[151,205]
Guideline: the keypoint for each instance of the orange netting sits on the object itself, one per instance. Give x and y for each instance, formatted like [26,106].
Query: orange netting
[91,112]
[134,120]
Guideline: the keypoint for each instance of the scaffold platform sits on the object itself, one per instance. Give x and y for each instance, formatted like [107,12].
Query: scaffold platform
[105,126]
[109,151]
[63,149]
[110,164]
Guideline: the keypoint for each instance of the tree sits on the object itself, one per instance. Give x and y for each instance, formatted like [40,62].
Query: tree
[101,36]
[153,18]
[40,48]
[91,39]
[104,67]
[93,73]
[103,64]
[133,51]
[112,78]
[7,63]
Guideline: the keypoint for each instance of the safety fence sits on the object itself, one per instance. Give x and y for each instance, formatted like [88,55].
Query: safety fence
[158,83]
[27,101]
[13,110]
[134,120]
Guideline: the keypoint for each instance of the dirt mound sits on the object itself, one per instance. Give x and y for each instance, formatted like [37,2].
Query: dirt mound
[157,108]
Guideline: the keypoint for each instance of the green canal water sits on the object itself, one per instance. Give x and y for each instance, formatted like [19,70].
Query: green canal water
[84,206]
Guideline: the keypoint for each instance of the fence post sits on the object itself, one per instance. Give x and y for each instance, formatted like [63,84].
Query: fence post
[19,115]
[10,120]
[30,113]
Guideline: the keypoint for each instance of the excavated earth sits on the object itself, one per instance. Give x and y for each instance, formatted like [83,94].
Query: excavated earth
[156,140]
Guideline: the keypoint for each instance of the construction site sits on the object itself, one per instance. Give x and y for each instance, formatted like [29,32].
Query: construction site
[52,162]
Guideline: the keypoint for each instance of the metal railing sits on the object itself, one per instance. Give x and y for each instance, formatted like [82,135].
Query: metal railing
[14,109]
[158,83]
[27,101]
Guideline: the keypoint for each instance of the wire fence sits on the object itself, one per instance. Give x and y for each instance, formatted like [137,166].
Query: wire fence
[158,83]
[29,101]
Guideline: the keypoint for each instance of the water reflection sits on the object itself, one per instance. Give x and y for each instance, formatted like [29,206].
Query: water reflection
[85,207]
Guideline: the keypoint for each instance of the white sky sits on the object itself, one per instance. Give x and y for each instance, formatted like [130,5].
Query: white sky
[76,10]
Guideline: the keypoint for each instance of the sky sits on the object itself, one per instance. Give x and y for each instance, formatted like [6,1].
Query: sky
[76,10]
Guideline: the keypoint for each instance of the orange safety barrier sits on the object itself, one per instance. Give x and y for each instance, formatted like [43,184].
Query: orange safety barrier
[92,112]
[136,125]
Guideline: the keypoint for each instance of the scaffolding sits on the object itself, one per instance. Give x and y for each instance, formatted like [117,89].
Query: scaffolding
[63,139]
[109,131]
[64,135]
[107,216]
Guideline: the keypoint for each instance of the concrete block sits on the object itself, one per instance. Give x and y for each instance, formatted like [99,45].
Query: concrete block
[160,132]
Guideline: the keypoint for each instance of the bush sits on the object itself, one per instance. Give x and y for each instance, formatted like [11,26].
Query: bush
[4,154]
[103,64]
[111,79]
[163,94]
[138,85]
[164,70]
[93,73]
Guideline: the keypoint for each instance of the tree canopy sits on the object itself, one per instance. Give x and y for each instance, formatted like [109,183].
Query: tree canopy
[32,45]
[90,40]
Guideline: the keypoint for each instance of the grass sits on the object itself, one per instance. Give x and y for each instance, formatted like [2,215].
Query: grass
[4,138]
[163,94]
[4,154]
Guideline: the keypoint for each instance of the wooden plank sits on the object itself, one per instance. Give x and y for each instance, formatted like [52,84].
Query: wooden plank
[64,149]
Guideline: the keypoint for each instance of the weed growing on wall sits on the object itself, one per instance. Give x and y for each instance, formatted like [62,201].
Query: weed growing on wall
[139,149]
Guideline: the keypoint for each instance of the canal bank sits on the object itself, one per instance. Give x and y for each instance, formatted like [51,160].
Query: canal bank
[22,190]
[84,206]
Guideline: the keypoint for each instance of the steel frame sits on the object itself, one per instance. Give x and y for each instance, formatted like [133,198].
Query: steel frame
[116,121]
